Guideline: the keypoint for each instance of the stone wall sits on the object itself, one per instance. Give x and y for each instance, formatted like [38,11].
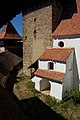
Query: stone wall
[78,5]
[37,29]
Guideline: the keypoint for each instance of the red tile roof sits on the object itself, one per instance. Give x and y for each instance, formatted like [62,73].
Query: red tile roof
[49,74]
[9,32]
[56,54]
[68,27]
[2,34]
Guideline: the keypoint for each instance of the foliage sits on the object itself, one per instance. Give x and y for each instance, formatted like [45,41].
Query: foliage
[67,103]
[75,96]
[49,101]
[21,78]
[32,89]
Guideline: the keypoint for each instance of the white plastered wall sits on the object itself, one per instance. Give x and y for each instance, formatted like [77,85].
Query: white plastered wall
[71,79]
[71,42]
[56,90]
[36,80]
[68,78]
[58,66]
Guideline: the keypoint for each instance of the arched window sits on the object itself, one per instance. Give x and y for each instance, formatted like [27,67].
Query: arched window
[61,44]
[51,65]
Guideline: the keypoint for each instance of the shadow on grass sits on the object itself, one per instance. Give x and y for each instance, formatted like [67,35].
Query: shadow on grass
[35,109]
[9,110]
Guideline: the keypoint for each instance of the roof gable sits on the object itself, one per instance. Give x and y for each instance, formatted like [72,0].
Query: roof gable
[56,54]
[9,32]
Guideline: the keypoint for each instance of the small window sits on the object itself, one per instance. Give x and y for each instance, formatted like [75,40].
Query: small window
[34,31]
[25,37]
[35,34]
[51,65]
[34,19]
[61,44]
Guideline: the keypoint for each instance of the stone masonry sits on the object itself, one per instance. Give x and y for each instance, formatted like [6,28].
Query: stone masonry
[38,24]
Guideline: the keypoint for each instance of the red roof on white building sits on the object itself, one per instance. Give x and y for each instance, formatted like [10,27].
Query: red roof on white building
[68,27]
[56,54]
[53,75]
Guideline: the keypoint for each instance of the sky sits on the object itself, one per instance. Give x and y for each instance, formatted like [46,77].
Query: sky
[17,23]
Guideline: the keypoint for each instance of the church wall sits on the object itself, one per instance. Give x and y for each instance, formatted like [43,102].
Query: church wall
[71,42]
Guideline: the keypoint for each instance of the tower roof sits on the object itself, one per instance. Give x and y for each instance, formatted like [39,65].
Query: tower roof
[9,32]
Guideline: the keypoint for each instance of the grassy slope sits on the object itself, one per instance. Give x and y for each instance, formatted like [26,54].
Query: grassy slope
[24,89]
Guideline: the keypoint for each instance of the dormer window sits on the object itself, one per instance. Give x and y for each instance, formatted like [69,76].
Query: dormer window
[51,65]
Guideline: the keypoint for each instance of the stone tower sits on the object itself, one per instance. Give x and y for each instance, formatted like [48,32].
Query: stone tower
[40,18]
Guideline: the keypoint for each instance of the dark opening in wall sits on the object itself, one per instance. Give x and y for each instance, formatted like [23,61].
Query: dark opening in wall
[34,19]
[35,34]
[61,44]
[25,37]
[51,65]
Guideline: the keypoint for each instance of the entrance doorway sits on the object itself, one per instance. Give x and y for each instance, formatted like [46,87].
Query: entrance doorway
[45,86]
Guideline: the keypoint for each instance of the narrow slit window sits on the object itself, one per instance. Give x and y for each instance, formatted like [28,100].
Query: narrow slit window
[34,33]
[25,37]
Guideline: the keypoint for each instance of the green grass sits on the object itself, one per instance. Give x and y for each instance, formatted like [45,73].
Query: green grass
[32,89]
[69,109]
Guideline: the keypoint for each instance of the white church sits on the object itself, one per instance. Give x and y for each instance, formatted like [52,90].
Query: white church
[59,67]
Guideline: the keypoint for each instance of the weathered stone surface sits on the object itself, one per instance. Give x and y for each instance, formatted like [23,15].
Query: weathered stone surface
[38,25]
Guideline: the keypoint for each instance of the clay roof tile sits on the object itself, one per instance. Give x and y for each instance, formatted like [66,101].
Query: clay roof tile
[53,75]
[68,27]
[56,54]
